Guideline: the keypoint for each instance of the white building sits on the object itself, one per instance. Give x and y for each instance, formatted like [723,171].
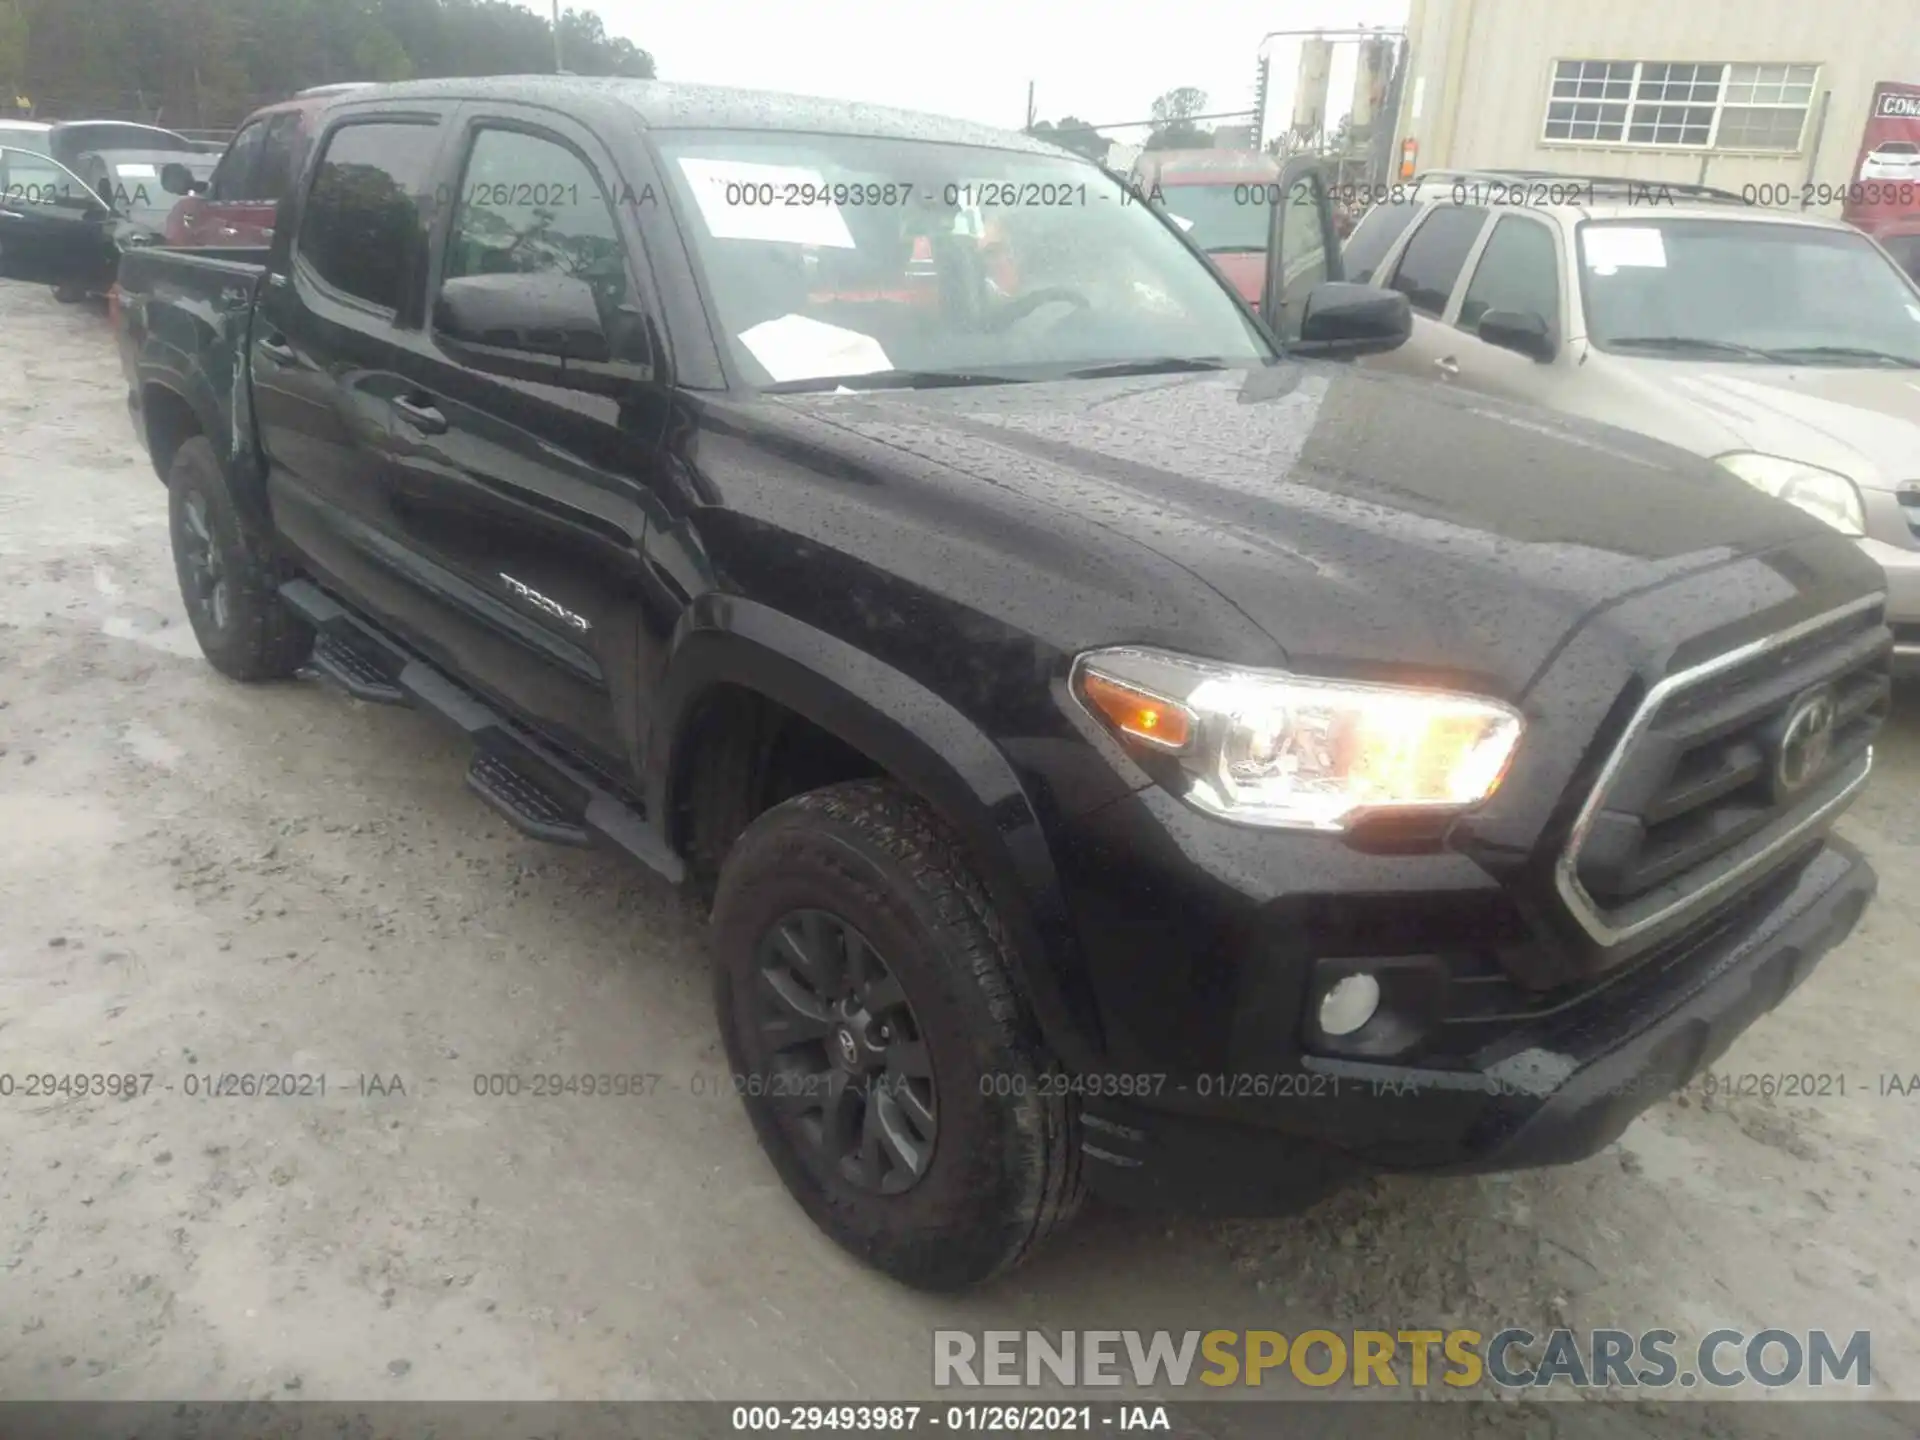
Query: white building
[1729,93]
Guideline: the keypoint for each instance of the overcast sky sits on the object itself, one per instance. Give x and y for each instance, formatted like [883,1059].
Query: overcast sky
[973,58]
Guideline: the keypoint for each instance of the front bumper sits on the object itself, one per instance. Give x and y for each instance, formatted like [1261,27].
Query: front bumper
[1572,1090]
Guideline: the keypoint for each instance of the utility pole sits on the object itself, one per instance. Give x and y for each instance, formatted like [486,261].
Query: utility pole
[1029,105]
[559,64]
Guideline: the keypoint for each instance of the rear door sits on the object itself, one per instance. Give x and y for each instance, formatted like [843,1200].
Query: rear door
[321,351]
[54,229]
[523,502]
[1428,268]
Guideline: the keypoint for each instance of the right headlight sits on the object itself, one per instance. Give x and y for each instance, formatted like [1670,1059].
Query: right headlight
[1824,494]
[1294,752]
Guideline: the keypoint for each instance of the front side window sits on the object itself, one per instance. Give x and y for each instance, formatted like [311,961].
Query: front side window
[1745,292]
[361,229]
[1519,272]
[1433,259]
[834,255]
[531,205]
[1690,105]
[233,177]
[273,174]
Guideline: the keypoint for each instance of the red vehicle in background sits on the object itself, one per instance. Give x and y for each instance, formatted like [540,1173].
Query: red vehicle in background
[1883,197]
[236,206]
[1224,200]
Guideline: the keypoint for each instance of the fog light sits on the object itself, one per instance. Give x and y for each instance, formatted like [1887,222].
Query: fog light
[1348,1004]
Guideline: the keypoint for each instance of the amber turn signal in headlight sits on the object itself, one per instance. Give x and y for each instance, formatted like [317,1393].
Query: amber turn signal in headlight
[1269,748]
[1139,713]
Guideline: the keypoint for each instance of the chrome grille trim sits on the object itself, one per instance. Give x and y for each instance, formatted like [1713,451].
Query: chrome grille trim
[1592,918]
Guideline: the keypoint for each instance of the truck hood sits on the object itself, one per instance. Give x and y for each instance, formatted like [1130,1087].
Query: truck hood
[1861,421]
[1367,523]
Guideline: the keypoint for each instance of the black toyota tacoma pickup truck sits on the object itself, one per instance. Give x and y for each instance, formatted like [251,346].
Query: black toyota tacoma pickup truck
[1122,746]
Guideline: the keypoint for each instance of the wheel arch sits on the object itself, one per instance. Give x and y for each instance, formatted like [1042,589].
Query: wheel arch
[725,645]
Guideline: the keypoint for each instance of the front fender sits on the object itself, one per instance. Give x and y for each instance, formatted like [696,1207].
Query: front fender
[925,744]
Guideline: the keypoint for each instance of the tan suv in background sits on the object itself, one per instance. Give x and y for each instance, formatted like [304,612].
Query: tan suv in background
[1781,344]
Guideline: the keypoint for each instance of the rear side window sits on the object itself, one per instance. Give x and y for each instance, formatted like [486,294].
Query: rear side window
[1431,263]
[362,227]
[233,176]
[1518,271]
[1373,237]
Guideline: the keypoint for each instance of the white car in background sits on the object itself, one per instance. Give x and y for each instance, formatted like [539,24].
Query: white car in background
[1892,160]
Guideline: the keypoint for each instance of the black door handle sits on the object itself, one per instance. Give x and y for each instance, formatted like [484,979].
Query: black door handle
[424,418]
[278,351]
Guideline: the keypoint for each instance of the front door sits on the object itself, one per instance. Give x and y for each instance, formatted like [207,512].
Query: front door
[1302,248]
[1517,274]
[523,497]
[54,230]
[1429,266]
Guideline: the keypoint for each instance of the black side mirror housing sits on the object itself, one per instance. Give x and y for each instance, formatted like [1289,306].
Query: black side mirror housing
[177,179]
[1519,330]
[534,327]
[1342,321]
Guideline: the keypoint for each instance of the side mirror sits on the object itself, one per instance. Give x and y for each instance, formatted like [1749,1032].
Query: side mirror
[1342,321]
[534,327]
[177,179]
[1519,330]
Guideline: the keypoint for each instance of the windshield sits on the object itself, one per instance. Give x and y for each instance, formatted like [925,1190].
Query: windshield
[837,256]
[1738,290]
[1224,216]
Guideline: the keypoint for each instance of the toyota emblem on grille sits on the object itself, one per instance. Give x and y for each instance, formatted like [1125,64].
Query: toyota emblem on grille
[1805,744]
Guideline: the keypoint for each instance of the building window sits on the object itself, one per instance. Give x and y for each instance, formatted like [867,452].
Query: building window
[1694,105]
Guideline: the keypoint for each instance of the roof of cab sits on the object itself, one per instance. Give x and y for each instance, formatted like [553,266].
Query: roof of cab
[663,105]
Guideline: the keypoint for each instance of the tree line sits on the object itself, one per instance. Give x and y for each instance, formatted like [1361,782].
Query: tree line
[1173,127]
[206,63]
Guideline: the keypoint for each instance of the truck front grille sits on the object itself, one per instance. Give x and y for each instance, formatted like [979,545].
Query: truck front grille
[1724,768]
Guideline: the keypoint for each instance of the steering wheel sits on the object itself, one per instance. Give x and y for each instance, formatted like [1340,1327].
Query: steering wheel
[1024,305]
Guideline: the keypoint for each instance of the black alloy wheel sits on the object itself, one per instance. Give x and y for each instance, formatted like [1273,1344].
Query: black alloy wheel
[203,573]
[849,1065]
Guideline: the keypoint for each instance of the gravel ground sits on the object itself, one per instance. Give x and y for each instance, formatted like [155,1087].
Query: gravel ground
[197,877]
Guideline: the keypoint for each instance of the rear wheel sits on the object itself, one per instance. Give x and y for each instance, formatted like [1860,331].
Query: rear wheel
[867,1003]
[229,577]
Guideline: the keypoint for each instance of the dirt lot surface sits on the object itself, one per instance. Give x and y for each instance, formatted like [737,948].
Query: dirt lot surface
[199,878]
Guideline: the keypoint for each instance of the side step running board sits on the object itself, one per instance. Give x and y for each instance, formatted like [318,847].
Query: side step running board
[526,807]
[340,659]
[534,787]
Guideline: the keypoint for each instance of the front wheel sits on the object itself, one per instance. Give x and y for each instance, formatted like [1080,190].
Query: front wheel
[867,1002]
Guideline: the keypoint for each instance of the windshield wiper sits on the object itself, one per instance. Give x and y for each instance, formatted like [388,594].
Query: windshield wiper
[1693,342]
[890,380]
[1162,365]
[1845,352]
